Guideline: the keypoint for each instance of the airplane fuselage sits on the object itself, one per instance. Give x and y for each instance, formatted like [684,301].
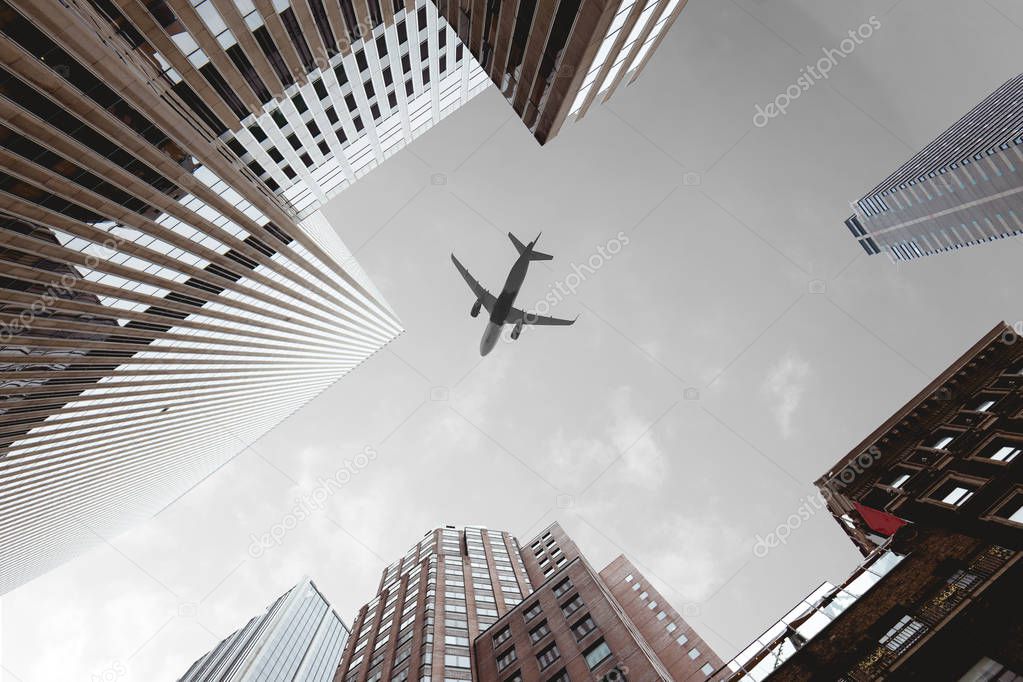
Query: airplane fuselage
[504,303]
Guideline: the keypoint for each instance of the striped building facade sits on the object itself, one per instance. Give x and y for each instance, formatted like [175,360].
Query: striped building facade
[963,189]
[299,637]
[554,59]
[162,305]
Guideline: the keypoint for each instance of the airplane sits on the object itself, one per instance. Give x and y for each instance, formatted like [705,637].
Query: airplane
[501,308]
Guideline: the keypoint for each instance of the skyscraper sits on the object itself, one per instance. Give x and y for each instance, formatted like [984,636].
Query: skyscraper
[964,188]
[934,500]
[299,637]
[161,305]
[472,604]
[554,60]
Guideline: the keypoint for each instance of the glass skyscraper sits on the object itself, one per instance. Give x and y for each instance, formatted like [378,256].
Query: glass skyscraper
[964,188]
[298,639]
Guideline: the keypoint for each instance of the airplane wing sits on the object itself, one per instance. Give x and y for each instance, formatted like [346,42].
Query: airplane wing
[481,294]
[515,315]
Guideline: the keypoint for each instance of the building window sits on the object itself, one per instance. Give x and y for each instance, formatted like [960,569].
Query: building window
[643,595]
[597,654]
[562,588]
[671,627]
[533,611]
[539,632]
[548,656]
[707,669]
[983,405]
[1001,451]
[628,578]
[583,627]
[694,653]
[635,586]
[502,636]
[904,633]
[1012,509]
[953,492]
[942,442]
[506,659]
[560,676]
[455,661]
[661,615]
[682,639]
[572,605]
[899,478]
[990,669]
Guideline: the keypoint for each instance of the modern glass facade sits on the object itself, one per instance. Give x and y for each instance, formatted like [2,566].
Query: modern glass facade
[964,188]
[298,639]
[800,625]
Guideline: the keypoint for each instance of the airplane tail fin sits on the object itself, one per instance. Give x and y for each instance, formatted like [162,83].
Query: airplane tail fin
[521,248]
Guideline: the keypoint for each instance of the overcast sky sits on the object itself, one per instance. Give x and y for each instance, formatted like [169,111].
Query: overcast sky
[738,282]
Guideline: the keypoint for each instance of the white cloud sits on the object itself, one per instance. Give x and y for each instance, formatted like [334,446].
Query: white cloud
[785,385]
[626,435]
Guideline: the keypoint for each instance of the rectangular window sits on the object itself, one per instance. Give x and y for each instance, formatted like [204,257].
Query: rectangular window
[583,627]
[572,605]
[539,632]
[953,492]
[1001,451]
[532,612]
[898,478]
[506,659]
[502,636]
[562,588]
[597,654]
[548,656]
[694,653]
[456,661]
[1012,509]
[983,405]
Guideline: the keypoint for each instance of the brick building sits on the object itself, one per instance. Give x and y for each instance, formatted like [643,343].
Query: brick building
[949,458]
[933,500]
[472,604]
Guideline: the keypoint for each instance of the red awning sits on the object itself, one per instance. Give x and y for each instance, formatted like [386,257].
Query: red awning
[882,522]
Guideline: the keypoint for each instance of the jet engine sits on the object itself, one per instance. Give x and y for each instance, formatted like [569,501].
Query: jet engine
[517,330]
[476,308]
